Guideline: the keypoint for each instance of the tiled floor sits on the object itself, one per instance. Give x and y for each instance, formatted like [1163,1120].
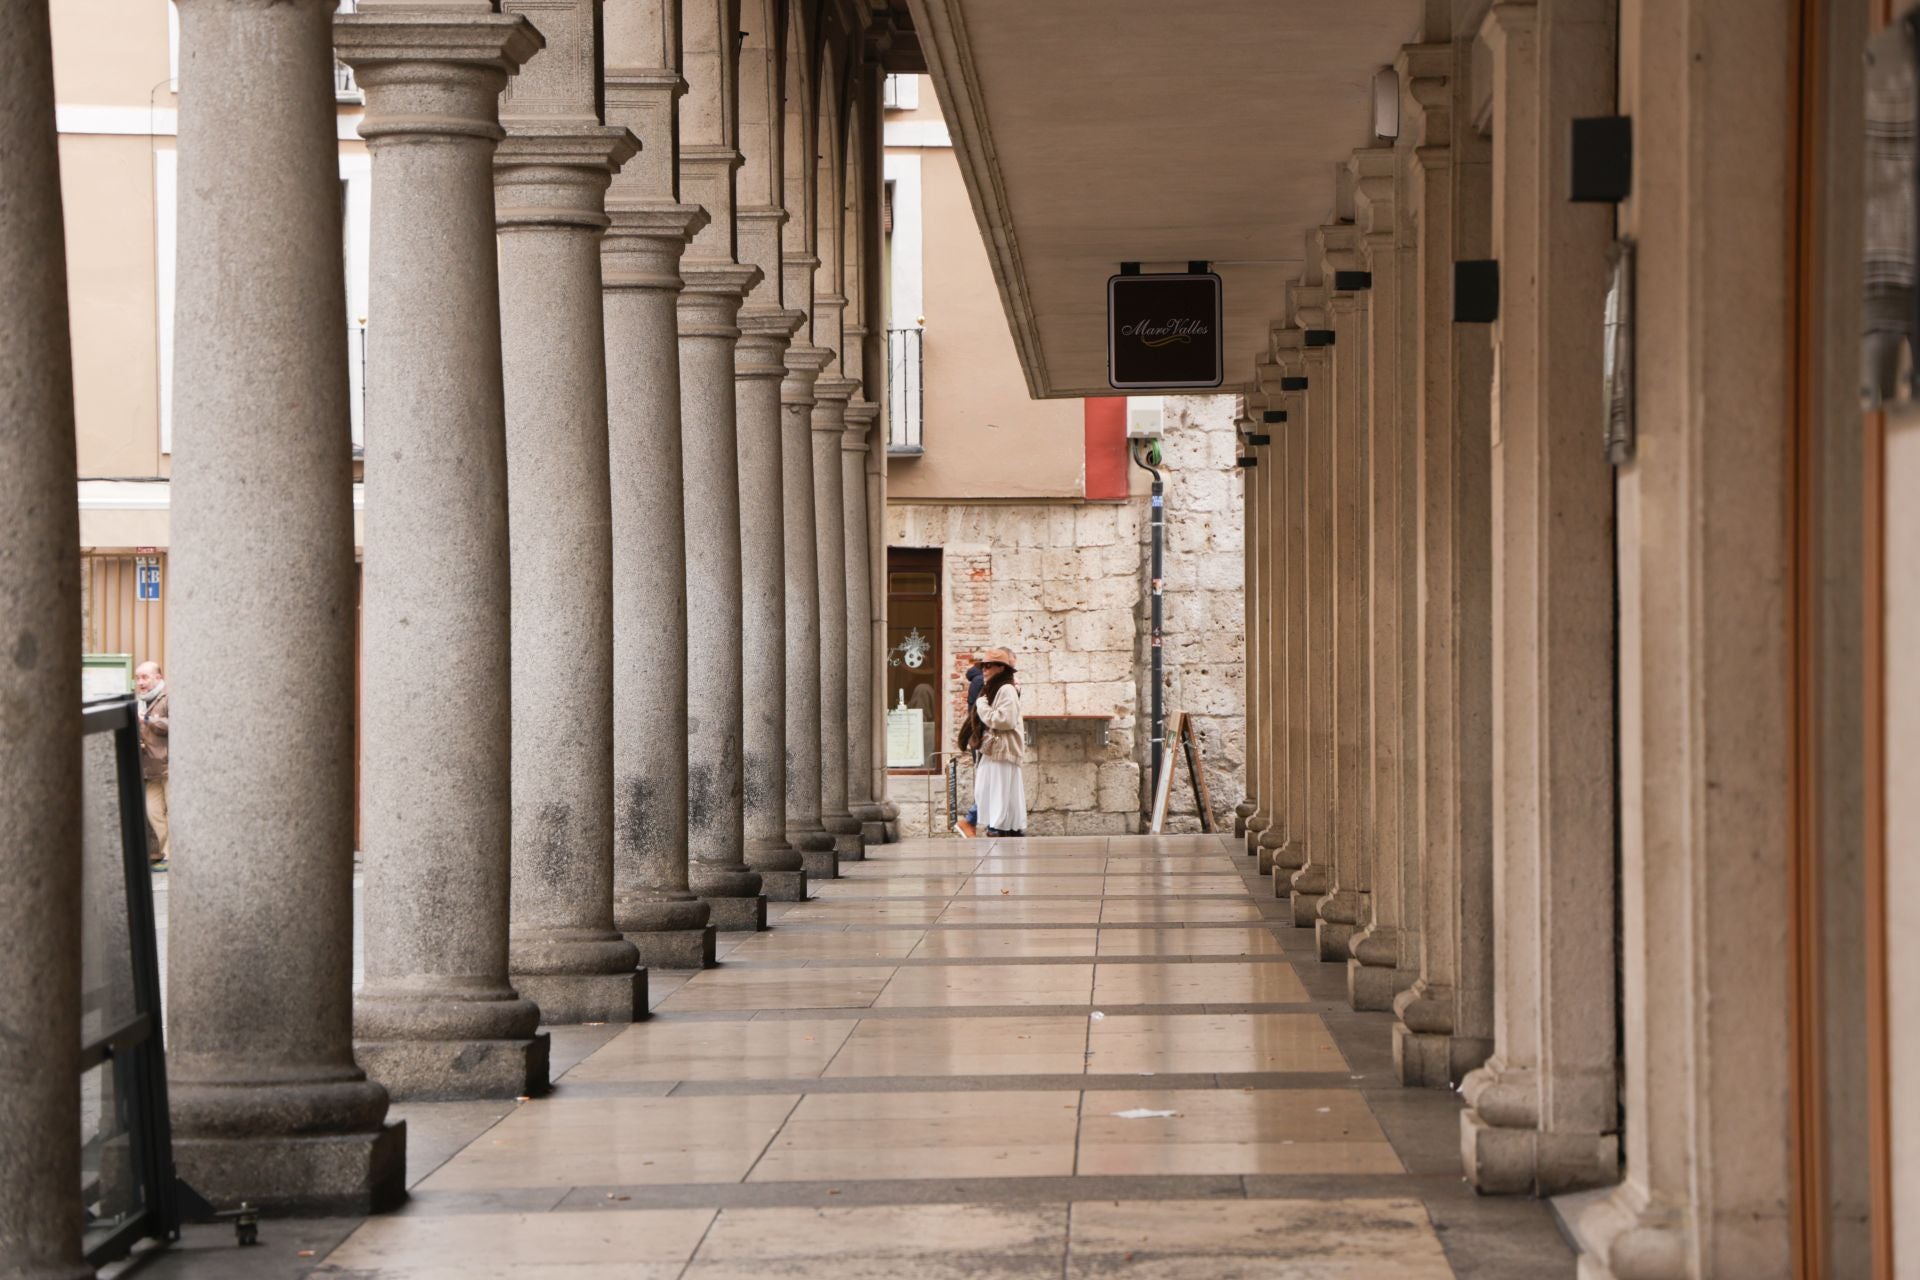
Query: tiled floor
[1066,1058]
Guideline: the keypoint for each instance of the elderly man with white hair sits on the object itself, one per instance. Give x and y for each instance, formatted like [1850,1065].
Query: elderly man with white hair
[151,689]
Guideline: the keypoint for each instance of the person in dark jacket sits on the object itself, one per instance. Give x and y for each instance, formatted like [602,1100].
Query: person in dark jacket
[976,680]
[150,688]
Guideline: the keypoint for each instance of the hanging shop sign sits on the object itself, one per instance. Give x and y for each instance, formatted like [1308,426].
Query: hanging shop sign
[1163,331]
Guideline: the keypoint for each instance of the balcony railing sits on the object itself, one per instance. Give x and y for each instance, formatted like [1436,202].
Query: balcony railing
[906,392]
[345,89]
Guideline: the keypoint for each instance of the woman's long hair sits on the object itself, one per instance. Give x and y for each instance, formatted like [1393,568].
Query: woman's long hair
[996,683]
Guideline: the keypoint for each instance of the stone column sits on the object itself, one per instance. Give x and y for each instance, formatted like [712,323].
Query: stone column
[1446,1018]
[1315,875]
[1250,665]
[1341,912]
[760,367]
[40,843]
[640,275]
[800,519]
[861,415]
[1385,956]
[268,1105]
[1290,606]
[1541,1112]
[437,1016]
[1254,485]
[710,465]
[831,393]
[550,193]
[1273,648]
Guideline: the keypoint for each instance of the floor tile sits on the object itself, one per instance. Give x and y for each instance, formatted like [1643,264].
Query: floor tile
[1171,885]
[1022,911]
[649,1244]
[1233,1131]
[1232,1239]
[1220,982]
[886,1242]
[1067,886]
[975,944]
[924,1135]
[939,986]
[562,1142]
[1194,940]
[800,945]
[1036,864]
[1129,1044]
[864,911]
[1175,911]
[744,988]
[1051,1045]
[663,1049]
[902,886]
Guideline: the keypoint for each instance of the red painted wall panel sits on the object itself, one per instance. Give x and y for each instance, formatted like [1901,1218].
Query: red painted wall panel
[1106,419]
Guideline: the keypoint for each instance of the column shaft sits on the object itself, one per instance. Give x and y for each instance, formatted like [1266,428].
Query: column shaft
[1273,708]
[759,370]
[1254,489]
[710,467]
[800,517]
[1446,1016]
[1342,910]
[550,196]
[262,603]
[1250,655]
[1384,956]
[653,904]
[861,803]
[1290,548]
[829,504]
[1315,874]
[40,841]
[437,1016]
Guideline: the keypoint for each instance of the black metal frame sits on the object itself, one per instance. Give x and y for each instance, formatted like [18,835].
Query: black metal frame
[135,1047]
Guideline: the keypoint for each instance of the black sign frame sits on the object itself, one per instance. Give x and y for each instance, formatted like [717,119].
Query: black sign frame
[1132,366]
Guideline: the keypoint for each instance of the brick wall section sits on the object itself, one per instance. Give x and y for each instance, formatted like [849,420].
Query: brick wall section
[1064,585]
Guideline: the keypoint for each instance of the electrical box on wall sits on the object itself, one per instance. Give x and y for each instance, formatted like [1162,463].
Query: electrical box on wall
[1143,417]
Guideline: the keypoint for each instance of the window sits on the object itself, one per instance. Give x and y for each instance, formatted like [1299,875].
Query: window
[915,660]
[902,93]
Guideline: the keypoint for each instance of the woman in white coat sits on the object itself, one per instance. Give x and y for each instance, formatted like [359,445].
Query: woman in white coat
[998,785]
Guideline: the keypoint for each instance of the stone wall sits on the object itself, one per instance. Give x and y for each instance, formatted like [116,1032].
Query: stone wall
[1203,625]
[1065,586]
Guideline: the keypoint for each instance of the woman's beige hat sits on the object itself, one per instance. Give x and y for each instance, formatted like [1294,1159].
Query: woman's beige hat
[1003,656]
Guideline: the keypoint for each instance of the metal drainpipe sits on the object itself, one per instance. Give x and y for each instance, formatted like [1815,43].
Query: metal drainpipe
[1159,542]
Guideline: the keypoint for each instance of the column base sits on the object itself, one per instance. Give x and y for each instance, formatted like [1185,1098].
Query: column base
[785,886]
[1435,1060]
[873,832]
[810,839]
[850,847]
[1504,1161]
[822,864]
[1623,1237]
[739,915]
[675,948]
[1250,830]
[1306,887]
[1332,938]
[1372,988]
[1241,812]
[569,999]
[453,1070]
[346,1175]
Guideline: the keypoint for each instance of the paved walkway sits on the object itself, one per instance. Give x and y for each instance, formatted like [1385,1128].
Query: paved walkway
[1017,1058]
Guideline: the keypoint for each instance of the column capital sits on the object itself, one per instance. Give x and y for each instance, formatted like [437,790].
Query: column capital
[1307,305]
[710,298]
[804,363]
[731,279]
[764,335]
[556,175]
[416,49]
[836,387]
[861,415]
[643,243]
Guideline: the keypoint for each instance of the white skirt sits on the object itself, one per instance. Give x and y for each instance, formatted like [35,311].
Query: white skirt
[1001,794]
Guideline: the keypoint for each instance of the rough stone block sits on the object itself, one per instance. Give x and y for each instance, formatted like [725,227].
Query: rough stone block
[345,1175]
[785,886]
[1071,786]
[568,999]
[1097,824]
[450,1070]
[824,864]
[1106,698]
[738,915]
[1046,824]
[677,948]
[1093,632]
[1371,988]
